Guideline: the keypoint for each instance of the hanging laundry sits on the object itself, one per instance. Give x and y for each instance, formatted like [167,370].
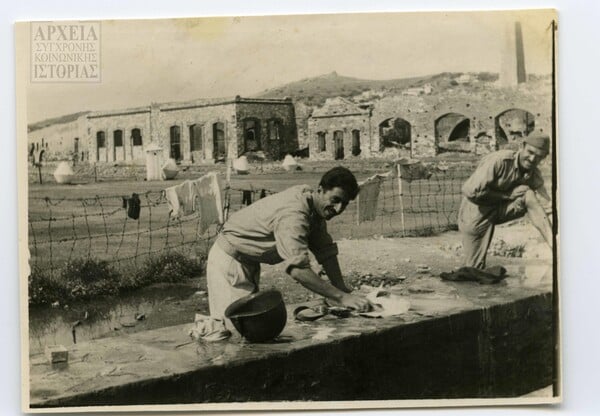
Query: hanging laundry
[247,197]
[172,200]
[208,200]
[134,207]
[412,169]
[367,198]
[263,193]
[181,199]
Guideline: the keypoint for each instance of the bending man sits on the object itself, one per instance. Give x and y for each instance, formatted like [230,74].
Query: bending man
[282,228]
[505,186]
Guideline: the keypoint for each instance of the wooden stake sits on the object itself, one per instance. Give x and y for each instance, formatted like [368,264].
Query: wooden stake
[401,200]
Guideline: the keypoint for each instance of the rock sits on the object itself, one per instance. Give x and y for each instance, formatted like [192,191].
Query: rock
[57,354]
[422,268]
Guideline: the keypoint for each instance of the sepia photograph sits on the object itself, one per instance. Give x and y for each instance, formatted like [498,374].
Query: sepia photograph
[289,212]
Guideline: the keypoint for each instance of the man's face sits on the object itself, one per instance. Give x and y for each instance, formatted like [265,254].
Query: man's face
[530,156]
[330,203]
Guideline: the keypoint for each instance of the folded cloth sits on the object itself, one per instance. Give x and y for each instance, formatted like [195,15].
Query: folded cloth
[386,304]
[209,329]
[488,276]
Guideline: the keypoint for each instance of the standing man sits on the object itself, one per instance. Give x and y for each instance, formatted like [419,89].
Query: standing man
[506,185]
[282,228]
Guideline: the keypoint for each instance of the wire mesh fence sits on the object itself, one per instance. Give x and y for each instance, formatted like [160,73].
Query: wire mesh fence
[63,229]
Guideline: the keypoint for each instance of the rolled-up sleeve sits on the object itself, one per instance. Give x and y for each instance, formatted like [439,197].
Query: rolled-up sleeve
[291,239]
[476,188]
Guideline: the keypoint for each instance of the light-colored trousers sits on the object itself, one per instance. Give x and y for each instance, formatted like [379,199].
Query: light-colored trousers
[476,224]
[227,281]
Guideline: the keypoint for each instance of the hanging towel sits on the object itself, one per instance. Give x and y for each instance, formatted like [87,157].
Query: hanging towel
[247,197]
[172,200]
[367,198]
[208,200]
[411,170]
[181,199]
[134,207]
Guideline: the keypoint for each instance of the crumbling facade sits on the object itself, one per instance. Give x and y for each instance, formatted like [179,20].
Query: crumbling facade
[468,118]
[340,130]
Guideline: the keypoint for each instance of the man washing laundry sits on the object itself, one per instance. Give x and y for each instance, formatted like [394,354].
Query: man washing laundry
[282,228]
[505,186]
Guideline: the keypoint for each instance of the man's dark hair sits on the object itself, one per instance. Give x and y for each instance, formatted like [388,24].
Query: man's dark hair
[342,178]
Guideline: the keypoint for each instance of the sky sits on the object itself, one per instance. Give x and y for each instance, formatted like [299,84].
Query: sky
[146,61]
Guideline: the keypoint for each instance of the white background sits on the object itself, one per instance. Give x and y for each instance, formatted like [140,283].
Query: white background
[579,59]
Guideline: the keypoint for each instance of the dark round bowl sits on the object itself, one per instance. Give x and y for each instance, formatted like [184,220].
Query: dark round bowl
[259,317]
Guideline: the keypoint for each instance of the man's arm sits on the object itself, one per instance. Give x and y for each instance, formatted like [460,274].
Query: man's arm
[478,188]
[334,273]
[310,280]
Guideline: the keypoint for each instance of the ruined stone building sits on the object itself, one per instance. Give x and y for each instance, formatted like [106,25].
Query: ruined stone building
[201,131]
[467,118]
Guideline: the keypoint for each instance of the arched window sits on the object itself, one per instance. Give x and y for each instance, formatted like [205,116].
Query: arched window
[252,139]
[100,140]
[195,137]
[219,148]
[321,144]
[274,129]
[355,142]
[175,141]
[136,137]
[338,142]
[101,146]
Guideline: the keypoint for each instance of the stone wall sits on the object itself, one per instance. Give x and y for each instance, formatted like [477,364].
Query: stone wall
[485,108]
[205,116]
[274,124]
[352,125]
[59,141]
[110,123]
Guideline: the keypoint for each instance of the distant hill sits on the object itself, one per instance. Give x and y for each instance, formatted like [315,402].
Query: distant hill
[314,91]
[56,120]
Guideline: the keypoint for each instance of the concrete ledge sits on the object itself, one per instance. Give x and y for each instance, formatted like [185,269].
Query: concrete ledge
[475,342]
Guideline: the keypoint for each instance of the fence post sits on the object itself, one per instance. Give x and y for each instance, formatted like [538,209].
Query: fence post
[401,199]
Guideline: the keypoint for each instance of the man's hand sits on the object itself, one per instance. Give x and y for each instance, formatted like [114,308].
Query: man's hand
[355,302]
[519,191]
